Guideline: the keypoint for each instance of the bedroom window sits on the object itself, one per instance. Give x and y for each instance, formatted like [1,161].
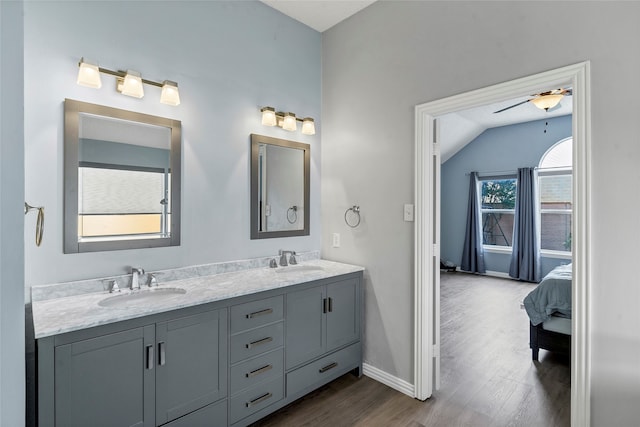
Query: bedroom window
[497,202]
[556,207]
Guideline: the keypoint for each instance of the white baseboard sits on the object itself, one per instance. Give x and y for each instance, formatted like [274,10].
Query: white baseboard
[497,274]
[488,273]
[389,380]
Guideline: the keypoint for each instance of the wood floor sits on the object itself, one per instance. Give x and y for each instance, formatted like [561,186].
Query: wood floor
[488,377]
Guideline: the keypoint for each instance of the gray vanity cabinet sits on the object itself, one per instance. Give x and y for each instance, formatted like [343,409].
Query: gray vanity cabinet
[225,363]
[103,381]
[321,319]
[145,376]
[190,364]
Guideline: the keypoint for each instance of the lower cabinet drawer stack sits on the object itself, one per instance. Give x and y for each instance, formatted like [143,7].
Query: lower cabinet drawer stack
[256,356]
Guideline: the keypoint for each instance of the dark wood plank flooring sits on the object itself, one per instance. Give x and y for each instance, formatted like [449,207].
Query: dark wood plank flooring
[488,377]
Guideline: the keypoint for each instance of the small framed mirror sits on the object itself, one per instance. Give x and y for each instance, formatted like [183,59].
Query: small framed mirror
[279,187]
[121,179]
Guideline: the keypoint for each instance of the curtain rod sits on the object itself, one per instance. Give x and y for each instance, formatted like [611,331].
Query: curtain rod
[513,172]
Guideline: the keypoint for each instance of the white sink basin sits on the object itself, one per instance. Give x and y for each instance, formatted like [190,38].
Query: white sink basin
[140,298]
[299,268]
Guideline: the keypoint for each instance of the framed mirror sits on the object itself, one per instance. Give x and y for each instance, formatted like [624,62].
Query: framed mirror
[121,179]
[279,187]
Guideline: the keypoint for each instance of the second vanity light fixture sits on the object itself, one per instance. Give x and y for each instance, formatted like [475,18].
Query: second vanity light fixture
[127,82]
[287,121]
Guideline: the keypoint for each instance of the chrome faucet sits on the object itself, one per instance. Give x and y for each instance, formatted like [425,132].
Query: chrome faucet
[136,272]
[283,257]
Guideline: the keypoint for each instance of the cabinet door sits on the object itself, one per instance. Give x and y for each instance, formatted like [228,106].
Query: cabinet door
[191,363]
[105,381]
[305,332]
[343,316]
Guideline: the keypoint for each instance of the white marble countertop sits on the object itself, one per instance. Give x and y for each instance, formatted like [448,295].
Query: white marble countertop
[72,313]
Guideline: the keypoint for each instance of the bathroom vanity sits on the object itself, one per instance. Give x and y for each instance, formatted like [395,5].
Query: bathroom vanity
[227,351]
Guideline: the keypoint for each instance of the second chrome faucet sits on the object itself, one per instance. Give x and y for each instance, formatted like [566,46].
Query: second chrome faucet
[283,257]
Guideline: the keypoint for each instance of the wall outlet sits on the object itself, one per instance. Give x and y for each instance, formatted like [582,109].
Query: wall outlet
[408,212]
[336,240]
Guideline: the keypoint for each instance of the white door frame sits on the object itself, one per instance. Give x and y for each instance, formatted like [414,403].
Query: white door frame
[426,343]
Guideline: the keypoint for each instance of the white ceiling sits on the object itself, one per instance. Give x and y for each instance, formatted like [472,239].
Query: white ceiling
[319,14]
[457,129]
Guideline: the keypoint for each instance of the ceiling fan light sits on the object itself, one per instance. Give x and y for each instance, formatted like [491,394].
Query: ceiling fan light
[547,101]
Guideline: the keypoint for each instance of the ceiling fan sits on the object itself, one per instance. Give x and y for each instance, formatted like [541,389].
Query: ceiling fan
[543,100]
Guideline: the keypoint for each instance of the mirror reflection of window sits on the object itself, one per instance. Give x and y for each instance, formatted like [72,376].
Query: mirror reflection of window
[123,180]
[122,202]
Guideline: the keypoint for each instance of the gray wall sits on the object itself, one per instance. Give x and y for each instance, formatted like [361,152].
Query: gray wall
[12,218]
[229,58]
[504,148]
[391,56]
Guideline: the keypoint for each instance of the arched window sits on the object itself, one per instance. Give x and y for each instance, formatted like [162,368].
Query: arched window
[555,184]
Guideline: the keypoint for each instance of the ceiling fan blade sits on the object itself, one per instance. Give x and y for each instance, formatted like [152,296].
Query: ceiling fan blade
[511,106]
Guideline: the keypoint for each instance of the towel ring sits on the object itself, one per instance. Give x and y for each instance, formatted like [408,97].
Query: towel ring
[39,221]
[355,212]
[292,212]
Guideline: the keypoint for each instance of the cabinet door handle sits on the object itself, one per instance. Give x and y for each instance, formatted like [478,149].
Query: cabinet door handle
[328,367]
[259,313]
[324,305]
[259,342]
[259,399]
[330,304]
[259,371]
[161,353]
[150,363]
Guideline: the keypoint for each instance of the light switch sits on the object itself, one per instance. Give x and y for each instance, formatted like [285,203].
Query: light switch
[336,240]
[408,212]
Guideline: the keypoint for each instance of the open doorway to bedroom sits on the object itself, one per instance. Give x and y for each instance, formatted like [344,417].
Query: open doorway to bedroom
[484,327]
[427,230]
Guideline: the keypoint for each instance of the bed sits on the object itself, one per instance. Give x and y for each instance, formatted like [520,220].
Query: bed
[549,309]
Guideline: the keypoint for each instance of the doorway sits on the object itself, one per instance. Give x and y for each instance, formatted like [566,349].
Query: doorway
[427,239]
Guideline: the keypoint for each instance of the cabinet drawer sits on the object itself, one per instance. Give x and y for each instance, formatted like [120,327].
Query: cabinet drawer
[255,399]
[323,370]
[256,341]
[256,313]
[214,415]
[258,369]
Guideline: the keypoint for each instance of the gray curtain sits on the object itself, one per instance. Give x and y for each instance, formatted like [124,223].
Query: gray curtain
[525,258]
[473,252]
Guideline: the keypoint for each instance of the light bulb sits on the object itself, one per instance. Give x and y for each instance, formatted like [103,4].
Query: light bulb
[89,74]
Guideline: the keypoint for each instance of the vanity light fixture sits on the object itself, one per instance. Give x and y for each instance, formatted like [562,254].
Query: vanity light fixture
[127,82]
[287,121]
[89,74]
[131,84]
[170,94]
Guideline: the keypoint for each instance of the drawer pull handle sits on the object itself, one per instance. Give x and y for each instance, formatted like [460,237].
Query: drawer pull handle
[328,367]
[259,371]
[324,305]
[259,313]
[259,399]
[162,353]
[330,304]
[150,362]
[259,342]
